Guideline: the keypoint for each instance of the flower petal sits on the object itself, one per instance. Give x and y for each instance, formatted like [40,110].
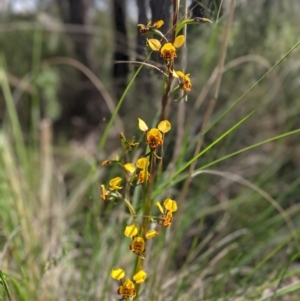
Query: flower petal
[180,74]
[142,163]
[129,285]
[158,24]
[142,125]
[129,167]
[140,276]
[131,231]
[164,126]
[115,181]
[179,41]
[160,207]
[167,47]
[170,205]
[154,44]
[151,233]
[117,274]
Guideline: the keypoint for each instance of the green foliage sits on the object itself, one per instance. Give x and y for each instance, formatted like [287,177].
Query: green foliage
[237,235]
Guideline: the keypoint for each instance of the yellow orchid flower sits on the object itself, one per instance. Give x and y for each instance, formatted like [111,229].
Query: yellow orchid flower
[168,51]
[138,246]
[104,193]
[185,81]
[155,135]
[114,184]
[167,215]
[145,28]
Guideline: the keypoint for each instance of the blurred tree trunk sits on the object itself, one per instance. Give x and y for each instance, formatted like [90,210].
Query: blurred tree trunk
[82,107]
[205,8]
[141,40]
[75,12]
[143,78]
[120,71]
[161,10]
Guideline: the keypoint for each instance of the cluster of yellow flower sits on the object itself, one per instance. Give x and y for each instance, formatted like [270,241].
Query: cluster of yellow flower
[142,171]
[136,174]
[127,288]
[167,51]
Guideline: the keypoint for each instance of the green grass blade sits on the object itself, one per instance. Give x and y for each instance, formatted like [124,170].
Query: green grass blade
[112,119]
[5,285]
[12,113]
[249,148]
[252,87]
[201,153]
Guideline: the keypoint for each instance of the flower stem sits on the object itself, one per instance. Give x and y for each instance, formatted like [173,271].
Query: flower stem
[146,214]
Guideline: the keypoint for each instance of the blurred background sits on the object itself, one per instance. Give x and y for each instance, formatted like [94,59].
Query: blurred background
[64,66]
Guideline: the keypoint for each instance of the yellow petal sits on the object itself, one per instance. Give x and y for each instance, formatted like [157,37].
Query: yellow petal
[174,73]
[170,205]
[168,47]
[140,276]
[142,163]
[206,20]
[179,41]
[117,274]
[158,24]
[129,167]
[115,181]
[142,125]
[160,207]
[164,126]
[131,231]
[154,44]
[151,234]
[180,74]
[128,284]
[149,23]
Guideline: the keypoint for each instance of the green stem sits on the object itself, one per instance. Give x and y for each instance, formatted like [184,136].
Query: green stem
[146,214]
